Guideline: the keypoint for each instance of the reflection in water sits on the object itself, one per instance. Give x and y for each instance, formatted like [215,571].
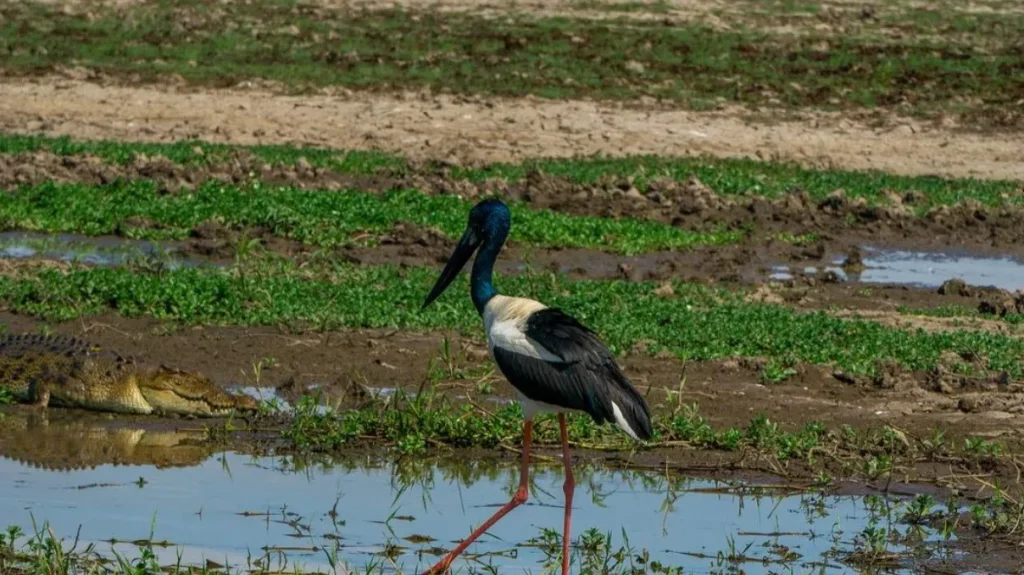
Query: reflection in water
[923,269]
[59,440]
[285,512]
[931,269]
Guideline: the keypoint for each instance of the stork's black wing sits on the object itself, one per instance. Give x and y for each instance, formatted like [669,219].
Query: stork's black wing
[588,378]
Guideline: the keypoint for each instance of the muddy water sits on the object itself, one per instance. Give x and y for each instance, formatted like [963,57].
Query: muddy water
[101,251]
[120,483]
[881,265]
[922,269]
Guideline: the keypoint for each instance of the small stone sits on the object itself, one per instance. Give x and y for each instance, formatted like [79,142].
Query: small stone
[844,377]
[968,405]
[635,67]
[628,272]
[955,286]
[854,262]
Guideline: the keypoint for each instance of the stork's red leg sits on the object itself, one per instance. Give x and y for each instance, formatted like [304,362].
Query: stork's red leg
[568,489]
[518,499]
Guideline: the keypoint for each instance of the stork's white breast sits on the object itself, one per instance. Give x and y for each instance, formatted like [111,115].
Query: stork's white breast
[505,321]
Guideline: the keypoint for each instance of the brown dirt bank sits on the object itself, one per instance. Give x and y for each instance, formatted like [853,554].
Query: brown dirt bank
[472,130]
[840,222]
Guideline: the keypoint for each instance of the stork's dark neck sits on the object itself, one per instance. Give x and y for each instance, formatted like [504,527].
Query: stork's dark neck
[480,285]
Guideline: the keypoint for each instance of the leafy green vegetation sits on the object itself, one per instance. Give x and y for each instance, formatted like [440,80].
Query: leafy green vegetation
[689,63]
[697,322]
[324,219]
[727,176]
[195,152]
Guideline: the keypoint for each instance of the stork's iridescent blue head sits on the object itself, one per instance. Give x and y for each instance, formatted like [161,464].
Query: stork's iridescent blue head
[489,223]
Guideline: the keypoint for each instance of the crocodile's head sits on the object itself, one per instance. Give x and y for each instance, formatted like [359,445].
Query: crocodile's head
[189,393]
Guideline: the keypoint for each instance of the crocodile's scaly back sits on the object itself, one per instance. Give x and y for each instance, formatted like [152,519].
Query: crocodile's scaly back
[70,372]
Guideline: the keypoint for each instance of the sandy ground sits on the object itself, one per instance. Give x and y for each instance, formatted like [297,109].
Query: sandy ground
[470,130]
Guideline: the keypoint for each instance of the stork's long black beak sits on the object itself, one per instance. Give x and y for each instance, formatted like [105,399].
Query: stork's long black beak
[463,250]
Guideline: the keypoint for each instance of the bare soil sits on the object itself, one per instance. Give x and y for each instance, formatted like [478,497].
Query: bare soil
[472,130]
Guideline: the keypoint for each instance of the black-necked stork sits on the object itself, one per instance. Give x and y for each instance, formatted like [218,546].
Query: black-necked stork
[555,363]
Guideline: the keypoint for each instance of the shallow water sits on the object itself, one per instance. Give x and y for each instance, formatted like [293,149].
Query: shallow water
[232,508]
[882,265]
[924,269]
[101,251]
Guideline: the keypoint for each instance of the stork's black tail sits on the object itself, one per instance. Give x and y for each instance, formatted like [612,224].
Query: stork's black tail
[632,414]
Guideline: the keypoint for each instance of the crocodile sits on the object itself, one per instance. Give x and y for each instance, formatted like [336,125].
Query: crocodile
[45,370]
[80,441]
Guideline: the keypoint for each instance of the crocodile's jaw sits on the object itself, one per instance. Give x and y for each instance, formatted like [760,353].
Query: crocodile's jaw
[188,393]
[170,402]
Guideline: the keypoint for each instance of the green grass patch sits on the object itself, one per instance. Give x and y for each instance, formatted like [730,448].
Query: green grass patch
[727,176]
[698,323]
[195,152]
[413,423]
[419,424]
[953,23]
[687,63]
[324,219]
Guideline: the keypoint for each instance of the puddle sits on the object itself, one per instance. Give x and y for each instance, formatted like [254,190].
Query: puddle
[235,509]
[326,402]
[100,251]
[923,269]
